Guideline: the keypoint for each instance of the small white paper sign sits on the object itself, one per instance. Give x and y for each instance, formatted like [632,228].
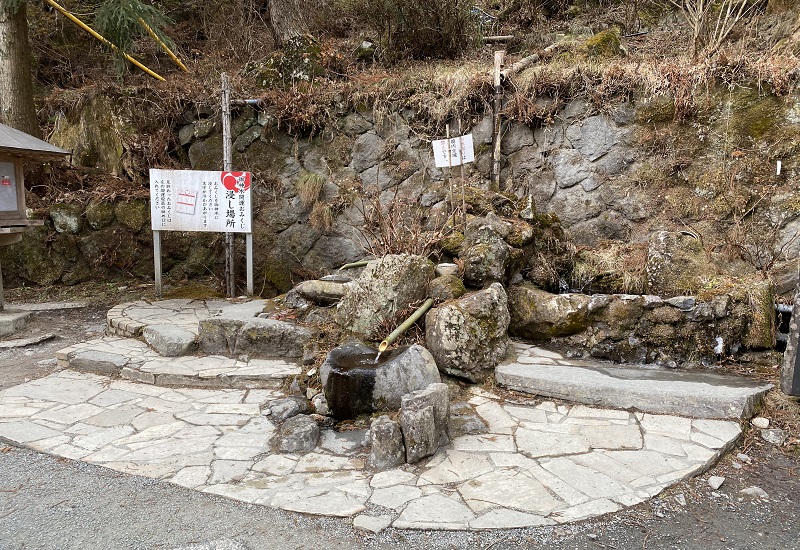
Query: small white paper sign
[459,149]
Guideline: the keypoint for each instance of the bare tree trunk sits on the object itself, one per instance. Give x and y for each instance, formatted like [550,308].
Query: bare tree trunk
[16,89]
[289,18]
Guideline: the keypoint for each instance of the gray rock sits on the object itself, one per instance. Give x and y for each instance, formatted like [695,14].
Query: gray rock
[715,482]
[684,303]
[204,127]
[299,433]
[373,524]
[355,385]
[468,337]
[98,362]
[322,292]
[255,337]
[516,137]
[368,149]
[446,287]
[385,287]
[354,124]
[269,338]
[774,436]
[419,433]
[744,458]
[760,422]
[466,424]
[294,300]
[386,440]
[247,137]
[574,205]
[755,492]
[320,404]
[539,315]
[437,397]
[485,254]
[482,133]
[170,340]
[594,137]
[67,218]
[571,168]
[186,135]
[288,407]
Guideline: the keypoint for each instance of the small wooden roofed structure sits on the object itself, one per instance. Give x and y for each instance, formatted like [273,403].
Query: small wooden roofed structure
[26,147]
[16,148]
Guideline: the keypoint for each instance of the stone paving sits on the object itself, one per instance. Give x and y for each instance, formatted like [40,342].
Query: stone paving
[133,360]
[533,463]
[540,463]
[129,319]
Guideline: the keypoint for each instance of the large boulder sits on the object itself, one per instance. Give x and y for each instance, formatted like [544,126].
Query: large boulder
[677,264]
[385,288]
[539,315]
[468,337]
[354,383]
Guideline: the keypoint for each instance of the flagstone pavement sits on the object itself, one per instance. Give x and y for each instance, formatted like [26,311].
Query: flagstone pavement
[541,463]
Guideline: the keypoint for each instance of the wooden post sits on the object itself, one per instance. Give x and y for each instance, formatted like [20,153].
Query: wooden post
[157,261]
[463,194]
[227,161]
[449,170]
[790,370]
[249,247]
[496,126]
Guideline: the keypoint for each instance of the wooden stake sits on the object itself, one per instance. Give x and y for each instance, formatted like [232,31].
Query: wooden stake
[227,161]
[499,56]
[450,169]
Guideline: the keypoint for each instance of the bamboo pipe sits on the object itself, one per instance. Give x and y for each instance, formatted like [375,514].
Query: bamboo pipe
[99,37]
[164,47]
[413,318]
[354,265]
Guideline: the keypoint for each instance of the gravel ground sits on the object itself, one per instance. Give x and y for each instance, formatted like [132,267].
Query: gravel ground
[53,503]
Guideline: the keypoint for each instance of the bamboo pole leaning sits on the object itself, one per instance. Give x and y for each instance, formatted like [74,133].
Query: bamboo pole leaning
[102,39]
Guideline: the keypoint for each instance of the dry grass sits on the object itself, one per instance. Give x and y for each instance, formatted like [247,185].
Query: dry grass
[612,267]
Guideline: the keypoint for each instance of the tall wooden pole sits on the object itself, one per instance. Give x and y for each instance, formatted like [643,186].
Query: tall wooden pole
[227,161]
[496,126]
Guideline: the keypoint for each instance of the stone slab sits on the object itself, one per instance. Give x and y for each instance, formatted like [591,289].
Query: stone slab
[12,320]
[695,394]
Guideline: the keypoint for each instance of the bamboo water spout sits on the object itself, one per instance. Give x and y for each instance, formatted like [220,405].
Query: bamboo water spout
[413,318]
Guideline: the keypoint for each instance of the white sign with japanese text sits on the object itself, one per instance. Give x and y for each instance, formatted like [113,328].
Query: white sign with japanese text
[195,200]
[460,149]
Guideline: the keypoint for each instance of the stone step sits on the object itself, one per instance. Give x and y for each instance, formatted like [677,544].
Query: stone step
[132,359]
[177,327]
[642,388]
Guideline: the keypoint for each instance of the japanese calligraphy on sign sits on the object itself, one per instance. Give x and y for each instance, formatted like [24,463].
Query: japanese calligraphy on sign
[459,149]
[194,200]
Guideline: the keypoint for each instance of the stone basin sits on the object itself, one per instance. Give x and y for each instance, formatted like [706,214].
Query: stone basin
[354,384]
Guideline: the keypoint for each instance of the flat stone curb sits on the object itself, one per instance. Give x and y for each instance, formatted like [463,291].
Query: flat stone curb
[50,306]
[132,359]
[24,342]
[12,320]
[538,464]
[663,391]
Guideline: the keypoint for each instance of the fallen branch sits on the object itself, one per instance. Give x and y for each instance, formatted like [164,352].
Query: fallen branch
[499,38]
[526,62]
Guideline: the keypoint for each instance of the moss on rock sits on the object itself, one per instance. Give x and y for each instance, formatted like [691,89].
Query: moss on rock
[133,214]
